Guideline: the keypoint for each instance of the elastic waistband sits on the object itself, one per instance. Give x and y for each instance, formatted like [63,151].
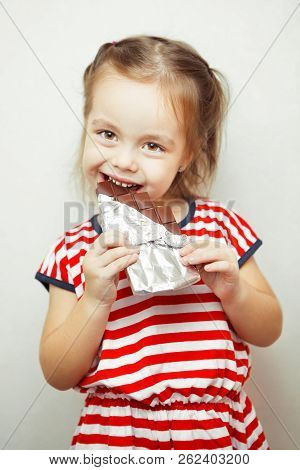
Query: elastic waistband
[107,399]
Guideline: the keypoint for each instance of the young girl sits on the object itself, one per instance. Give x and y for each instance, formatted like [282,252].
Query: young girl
[164,370]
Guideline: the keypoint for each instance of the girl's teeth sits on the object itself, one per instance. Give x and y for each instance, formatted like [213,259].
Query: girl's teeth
[118,183]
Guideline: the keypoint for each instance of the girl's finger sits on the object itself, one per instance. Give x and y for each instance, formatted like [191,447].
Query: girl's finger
[218,266]
[192,246]
[186,249]
[204,256]
[114,254]
[109,239]
[196,258]
[112,269]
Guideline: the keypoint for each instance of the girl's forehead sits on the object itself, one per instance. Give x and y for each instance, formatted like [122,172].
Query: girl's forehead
[125,100]
[124,89]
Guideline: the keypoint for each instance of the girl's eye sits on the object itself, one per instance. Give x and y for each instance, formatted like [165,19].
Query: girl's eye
[105,131]
[148,143]
[156,145]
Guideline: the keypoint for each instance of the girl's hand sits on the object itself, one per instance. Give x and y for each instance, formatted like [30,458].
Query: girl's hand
[218,268]
[108,255]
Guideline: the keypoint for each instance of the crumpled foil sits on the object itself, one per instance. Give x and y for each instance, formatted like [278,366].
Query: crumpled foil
[158,267]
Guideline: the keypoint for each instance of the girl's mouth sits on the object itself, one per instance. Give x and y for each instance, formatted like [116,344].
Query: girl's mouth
[135,188]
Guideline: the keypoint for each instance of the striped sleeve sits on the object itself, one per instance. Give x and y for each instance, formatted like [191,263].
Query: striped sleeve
[240,236]
[55,267]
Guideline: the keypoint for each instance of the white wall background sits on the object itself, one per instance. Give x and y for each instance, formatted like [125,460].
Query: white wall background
[45,47]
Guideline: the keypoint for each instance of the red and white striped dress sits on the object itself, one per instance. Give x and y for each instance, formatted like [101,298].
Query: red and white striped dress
[170,369]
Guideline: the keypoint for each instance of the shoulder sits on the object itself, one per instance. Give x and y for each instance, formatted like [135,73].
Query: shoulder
[212,211]
[77,242]
[203,203]
[224,221]
[62,263]
[225,214]
[79,237]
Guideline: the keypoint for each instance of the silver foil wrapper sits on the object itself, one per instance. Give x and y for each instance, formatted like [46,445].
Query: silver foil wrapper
[158,267]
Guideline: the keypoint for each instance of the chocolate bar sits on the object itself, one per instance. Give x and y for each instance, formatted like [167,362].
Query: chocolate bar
[141,202]
[158,213]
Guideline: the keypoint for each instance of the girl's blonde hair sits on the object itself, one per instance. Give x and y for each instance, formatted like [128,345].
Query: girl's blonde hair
[197,94]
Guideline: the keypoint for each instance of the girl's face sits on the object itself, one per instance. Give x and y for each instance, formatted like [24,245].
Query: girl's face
[132,136]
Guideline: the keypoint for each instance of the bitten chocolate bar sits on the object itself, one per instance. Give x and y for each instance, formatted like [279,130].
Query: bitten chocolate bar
[152,227]
[141,202]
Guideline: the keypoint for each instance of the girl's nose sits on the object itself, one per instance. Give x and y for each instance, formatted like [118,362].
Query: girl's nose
[124,161]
